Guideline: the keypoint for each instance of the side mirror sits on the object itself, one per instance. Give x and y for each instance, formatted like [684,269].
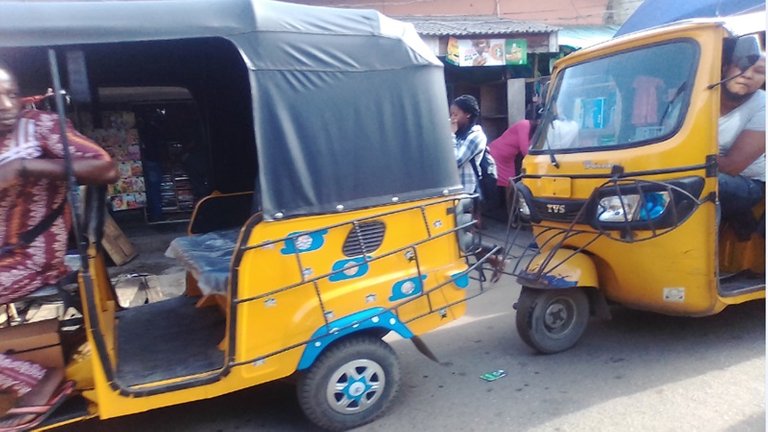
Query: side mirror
[746,52]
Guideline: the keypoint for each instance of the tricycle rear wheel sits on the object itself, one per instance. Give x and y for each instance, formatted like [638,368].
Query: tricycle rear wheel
[351,384]
[552,321]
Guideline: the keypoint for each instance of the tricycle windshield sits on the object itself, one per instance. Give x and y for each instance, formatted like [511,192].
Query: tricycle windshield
[631,98]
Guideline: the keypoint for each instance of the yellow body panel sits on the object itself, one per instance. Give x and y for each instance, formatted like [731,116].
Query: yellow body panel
[644,274]
[276,320]
[564,264]
[556,187]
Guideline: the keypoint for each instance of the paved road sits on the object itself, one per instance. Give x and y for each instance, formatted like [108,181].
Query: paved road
[638,372]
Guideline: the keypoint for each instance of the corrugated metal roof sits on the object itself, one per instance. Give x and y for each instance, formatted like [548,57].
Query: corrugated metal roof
[473,25]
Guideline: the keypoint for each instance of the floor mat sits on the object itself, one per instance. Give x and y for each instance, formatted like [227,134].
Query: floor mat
[168,339]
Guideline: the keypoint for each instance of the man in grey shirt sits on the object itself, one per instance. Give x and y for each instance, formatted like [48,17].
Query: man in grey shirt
[741,139]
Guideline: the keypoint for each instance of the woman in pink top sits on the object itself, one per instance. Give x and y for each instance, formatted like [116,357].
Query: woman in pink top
[504,149]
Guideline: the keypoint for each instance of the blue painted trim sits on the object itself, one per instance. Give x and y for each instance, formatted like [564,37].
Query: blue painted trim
[363,320]
[316,241]
[416,288]
[545,281]
[461,279]
[339,273]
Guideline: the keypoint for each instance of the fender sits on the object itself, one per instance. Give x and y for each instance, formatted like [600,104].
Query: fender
[566,268]
[375,318]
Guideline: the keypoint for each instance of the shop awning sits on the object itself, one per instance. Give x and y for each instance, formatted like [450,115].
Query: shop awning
[582,36]
[460,26]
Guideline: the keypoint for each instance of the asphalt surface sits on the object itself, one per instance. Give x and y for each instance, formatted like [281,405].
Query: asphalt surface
[637,372]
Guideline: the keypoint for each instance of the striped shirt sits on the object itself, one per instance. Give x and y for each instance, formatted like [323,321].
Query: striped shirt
[471,146]
[29,267]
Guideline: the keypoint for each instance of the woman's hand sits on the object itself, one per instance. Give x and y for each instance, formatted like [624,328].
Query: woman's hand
[454,126]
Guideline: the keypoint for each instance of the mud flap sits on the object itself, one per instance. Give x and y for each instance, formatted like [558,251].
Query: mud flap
[422,347]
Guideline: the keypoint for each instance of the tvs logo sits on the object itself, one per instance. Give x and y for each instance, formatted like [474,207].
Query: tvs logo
[556,208]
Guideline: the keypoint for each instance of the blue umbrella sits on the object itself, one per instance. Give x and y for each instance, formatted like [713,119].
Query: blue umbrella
[652,13]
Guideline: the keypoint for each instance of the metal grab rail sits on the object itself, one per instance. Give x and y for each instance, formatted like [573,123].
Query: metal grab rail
[576,236]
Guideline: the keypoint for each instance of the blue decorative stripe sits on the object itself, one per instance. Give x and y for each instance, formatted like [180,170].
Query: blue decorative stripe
[363,320]
[355,268]
[407,288]
[304,242]
[461,279]
[548,281]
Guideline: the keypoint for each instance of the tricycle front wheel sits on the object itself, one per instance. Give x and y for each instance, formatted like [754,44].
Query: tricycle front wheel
[351,384]
[552,321]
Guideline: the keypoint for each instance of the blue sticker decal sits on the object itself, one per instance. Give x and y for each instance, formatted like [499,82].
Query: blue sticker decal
[304,242]
[348,269]
[461,279]
[407,288]
[547,280]
[363,320]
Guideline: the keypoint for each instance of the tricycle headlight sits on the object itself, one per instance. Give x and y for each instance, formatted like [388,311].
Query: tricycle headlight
[628,208]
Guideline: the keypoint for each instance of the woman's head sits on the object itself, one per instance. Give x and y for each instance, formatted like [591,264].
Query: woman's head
[465,111]
[743,67]
[743,83]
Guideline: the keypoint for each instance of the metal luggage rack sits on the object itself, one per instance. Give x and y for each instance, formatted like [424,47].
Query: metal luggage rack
[475,263]
[528,237]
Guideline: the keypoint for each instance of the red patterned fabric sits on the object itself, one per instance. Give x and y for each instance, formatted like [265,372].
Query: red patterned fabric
[18,377]
[28,268]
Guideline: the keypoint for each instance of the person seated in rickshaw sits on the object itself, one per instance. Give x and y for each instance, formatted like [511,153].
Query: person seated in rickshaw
[34,225]
[561,132]
[741,140]
[33,191]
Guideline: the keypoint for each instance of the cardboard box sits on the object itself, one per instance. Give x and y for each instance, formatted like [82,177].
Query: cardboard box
[116,243]
[38,342]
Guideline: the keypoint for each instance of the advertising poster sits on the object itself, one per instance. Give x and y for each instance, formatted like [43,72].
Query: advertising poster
[452,54]
[120,139]
[516,52]
[487,52]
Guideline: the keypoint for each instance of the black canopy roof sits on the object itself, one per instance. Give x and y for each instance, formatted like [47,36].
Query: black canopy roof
[349,106]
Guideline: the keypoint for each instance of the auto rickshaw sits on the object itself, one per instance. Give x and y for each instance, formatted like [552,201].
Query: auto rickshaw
[338,215]
[620,186]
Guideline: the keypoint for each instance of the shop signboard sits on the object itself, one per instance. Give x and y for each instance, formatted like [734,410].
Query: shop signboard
[487,52]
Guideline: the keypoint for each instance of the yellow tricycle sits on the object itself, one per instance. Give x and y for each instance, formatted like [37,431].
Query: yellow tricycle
[621,185]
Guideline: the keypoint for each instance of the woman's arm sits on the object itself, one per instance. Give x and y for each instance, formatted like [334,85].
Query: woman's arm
[91,164]
[749,145]
[86,171]
[468,148]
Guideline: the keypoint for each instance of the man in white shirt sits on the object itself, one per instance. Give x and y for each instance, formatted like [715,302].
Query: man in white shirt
[741,139]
